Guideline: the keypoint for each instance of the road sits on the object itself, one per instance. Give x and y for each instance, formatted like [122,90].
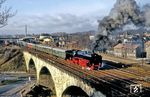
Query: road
[6,88]
[13,89]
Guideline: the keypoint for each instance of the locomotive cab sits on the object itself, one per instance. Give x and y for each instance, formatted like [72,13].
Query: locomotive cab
[70,54]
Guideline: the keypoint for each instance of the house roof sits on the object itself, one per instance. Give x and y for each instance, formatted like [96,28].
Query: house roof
[126,46]
[147,43]
[147,34]
[118,46]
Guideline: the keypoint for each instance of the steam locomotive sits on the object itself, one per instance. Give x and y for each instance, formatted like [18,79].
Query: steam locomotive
[86,59]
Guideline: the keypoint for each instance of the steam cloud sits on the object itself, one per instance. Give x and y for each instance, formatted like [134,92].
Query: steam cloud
[126,15]
[146,12]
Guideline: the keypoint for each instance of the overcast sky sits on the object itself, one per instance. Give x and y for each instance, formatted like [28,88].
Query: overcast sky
[45,16]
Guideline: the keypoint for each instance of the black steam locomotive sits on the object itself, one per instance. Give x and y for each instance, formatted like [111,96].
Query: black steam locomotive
[86,59]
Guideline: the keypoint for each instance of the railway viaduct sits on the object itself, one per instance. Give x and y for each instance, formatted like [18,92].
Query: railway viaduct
[61,82]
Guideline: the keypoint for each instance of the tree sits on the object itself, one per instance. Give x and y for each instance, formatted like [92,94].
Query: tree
[5,13]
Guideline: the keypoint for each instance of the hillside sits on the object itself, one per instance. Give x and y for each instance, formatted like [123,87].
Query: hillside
[11,59]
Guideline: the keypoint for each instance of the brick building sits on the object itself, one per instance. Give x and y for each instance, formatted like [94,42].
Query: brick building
[127,50]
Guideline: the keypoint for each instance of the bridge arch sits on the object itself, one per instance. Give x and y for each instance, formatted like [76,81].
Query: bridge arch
[74,91]
[31,66]
[46,79]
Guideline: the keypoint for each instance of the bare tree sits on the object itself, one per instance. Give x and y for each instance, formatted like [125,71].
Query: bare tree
[5,13]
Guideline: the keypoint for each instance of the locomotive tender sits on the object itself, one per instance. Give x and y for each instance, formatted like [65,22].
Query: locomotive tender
[86,59]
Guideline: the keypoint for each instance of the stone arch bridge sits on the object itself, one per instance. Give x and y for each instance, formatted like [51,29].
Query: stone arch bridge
[62,82]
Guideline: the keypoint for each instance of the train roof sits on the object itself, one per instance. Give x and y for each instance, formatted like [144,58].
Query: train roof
[58,49]
[84,53]
[26,38]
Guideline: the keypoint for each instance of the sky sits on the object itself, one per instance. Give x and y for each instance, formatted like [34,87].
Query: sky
[46,16]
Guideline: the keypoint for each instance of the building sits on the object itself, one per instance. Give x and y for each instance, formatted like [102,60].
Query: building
[147,49]
[72,45]
[28,39]
[48,40]
[92,37]
[43,36]
[127,50]
[60,41]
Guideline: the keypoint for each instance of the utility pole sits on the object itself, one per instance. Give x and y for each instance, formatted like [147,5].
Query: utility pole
[26,30]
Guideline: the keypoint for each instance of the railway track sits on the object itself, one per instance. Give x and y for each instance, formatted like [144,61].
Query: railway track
[118,59]
[137,73]
[128,73]
[96,77]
